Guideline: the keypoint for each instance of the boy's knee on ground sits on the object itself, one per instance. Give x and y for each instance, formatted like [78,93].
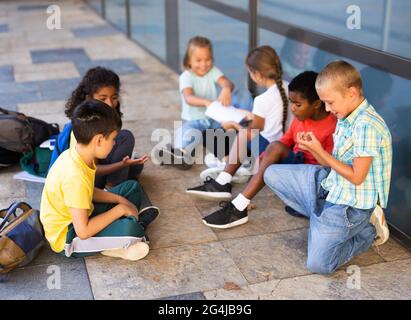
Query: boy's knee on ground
[317,264]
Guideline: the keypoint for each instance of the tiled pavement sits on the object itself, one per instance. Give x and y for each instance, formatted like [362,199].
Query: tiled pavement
[264,259]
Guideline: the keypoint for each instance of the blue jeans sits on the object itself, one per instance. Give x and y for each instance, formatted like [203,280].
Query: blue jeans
[191,132]
[337,233]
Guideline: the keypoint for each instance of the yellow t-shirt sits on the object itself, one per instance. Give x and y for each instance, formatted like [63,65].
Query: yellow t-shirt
[69,184]
[73,140]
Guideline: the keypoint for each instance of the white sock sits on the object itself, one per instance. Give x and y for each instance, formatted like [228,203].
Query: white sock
[224,178]
[241,202]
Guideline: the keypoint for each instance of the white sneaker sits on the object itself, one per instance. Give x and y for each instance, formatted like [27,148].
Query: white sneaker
[380,224]
[211,161]
[134,252]
[241,176]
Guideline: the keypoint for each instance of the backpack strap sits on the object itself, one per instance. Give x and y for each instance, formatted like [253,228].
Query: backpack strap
[6,213]
[62,143]
[19,115]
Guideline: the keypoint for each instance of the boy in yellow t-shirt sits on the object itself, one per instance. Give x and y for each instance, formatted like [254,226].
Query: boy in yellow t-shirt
[80,219]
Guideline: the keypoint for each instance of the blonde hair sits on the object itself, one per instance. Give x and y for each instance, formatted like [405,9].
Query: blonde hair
[199,42]
[341,74]
[265,60]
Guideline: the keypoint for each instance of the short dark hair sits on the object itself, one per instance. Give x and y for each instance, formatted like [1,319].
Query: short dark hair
[93,117]
[304,83]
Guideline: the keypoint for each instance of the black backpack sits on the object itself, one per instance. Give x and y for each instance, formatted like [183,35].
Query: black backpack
[21,134]
[8,158]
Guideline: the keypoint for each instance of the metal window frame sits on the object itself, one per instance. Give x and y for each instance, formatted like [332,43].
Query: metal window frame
[128,18]
[252,39]
[103,9]
[172,34]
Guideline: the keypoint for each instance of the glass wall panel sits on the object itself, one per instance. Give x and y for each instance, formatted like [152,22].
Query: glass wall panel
[116,13]
[96,5]
[383,24]
[148,25]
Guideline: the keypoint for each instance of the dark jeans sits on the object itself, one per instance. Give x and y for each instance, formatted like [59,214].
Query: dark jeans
[124,147]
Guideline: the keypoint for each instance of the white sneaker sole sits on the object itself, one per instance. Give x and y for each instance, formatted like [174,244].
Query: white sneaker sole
[213,162]
[227,226]
[214,172]
[135,252]
[381,227]
[210,195]
[150,207]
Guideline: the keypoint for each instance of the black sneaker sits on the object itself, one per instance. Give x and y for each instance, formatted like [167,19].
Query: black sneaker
[293,212]
[211,190]
[147,216]
[227,217]
[177,158]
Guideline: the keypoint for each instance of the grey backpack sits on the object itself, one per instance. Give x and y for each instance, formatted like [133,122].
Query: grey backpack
[19,133]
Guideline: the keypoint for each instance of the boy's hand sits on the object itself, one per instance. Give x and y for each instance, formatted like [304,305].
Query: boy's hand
[128,210]
[132,162]
[122,200]
[308,142]
[129,207]
[225,97]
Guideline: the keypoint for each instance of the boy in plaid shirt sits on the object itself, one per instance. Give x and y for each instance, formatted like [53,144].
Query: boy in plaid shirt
[344,196]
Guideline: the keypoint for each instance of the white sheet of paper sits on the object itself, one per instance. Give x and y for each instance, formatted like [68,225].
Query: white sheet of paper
[23,175]
[48,144]
[220,113]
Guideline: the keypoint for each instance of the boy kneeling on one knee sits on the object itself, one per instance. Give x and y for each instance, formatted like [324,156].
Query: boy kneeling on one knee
[342,197]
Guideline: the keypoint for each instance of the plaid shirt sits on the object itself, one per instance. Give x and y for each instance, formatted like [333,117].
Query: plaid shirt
[361,134]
